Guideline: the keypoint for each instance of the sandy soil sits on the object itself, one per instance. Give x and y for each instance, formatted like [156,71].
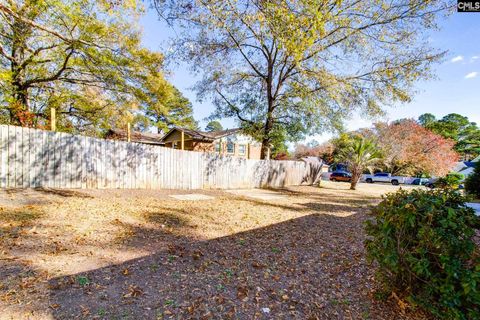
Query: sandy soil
[141,254]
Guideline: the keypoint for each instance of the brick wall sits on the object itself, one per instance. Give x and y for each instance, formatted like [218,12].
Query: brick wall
[255,151]
[203,146]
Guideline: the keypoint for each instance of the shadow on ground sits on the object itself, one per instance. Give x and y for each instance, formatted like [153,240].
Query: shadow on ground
[287,270]
[310,267]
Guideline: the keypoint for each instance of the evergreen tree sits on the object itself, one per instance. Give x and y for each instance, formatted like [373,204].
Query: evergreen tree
[472,183]
[214,125]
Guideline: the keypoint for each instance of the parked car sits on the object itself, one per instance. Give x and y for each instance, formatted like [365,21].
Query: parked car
[341,176]
[384,177]
[421,181]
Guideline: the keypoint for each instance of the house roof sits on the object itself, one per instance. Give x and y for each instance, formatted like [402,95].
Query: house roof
[469,164]
[467,171]
[202,135]
[458,166]
[462,165]
[136,136]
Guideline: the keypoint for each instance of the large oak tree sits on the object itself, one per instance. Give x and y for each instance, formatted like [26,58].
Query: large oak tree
[303,66]
[84,58]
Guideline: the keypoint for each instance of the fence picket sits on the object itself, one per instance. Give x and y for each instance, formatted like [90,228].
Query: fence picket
[3,156]
[38,158]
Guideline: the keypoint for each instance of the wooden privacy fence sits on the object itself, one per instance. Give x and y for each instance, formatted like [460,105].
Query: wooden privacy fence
[31,158]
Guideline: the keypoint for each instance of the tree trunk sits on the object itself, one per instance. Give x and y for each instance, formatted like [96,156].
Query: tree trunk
[269,119]
[20,104]
[353,184]
[266,137]
[356,173]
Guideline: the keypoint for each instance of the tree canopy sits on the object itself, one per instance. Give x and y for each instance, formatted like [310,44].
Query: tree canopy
[406,148]
[83,58]
[359,154]
[458,128]
[303,66]
[214,125]
[167,106]
[411,149]
[323,151]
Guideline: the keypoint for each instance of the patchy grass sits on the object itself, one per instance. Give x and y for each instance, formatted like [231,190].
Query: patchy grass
[141,254]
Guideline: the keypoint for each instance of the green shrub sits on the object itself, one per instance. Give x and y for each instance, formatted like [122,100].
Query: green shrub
[450,181]
[422,243]
[472,184]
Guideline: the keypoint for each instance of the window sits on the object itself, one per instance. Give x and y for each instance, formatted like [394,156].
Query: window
[217,147]
[230,147]
[381,174]
[241,149]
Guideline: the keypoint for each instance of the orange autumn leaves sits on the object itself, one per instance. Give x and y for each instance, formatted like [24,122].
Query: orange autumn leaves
[410,148]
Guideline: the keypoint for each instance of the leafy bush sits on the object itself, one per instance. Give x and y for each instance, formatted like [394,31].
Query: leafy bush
[451,180]
[472,184]
[422,242]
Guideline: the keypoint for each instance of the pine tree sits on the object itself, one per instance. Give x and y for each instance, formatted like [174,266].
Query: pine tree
[472,184]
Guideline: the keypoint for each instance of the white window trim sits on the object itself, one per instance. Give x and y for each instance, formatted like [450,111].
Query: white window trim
[240,153]
[228,152]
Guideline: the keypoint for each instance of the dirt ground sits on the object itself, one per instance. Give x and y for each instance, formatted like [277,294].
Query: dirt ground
[141,254]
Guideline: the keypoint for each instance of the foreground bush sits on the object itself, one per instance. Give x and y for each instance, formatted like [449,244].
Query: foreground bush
[472,184]
[422,243]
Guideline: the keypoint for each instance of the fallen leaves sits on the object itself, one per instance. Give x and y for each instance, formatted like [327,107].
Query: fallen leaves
[258,265]
[54,306]
[133,291]
[242,293]
[401,304]
[244,258]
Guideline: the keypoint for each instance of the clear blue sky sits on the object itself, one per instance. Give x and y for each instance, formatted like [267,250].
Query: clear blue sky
[457,88]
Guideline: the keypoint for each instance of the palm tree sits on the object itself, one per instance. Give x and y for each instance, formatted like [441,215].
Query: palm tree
[360,154]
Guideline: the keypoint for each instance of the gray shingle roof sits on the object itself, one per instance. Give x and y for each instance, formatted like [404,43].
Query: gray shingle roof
[136,136]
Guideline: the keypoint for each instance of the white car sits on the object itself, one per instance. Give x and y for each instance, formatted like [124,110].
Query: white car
[384,177]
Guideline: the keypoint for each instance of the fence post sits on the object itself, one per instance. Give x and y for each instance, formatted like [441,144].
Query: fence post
[183,141]
[53,120]
[129,132]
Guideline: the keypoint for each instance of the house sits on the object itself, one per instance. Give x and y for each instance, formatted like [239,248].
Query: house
[135,136]
[466,167]
[227,142]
